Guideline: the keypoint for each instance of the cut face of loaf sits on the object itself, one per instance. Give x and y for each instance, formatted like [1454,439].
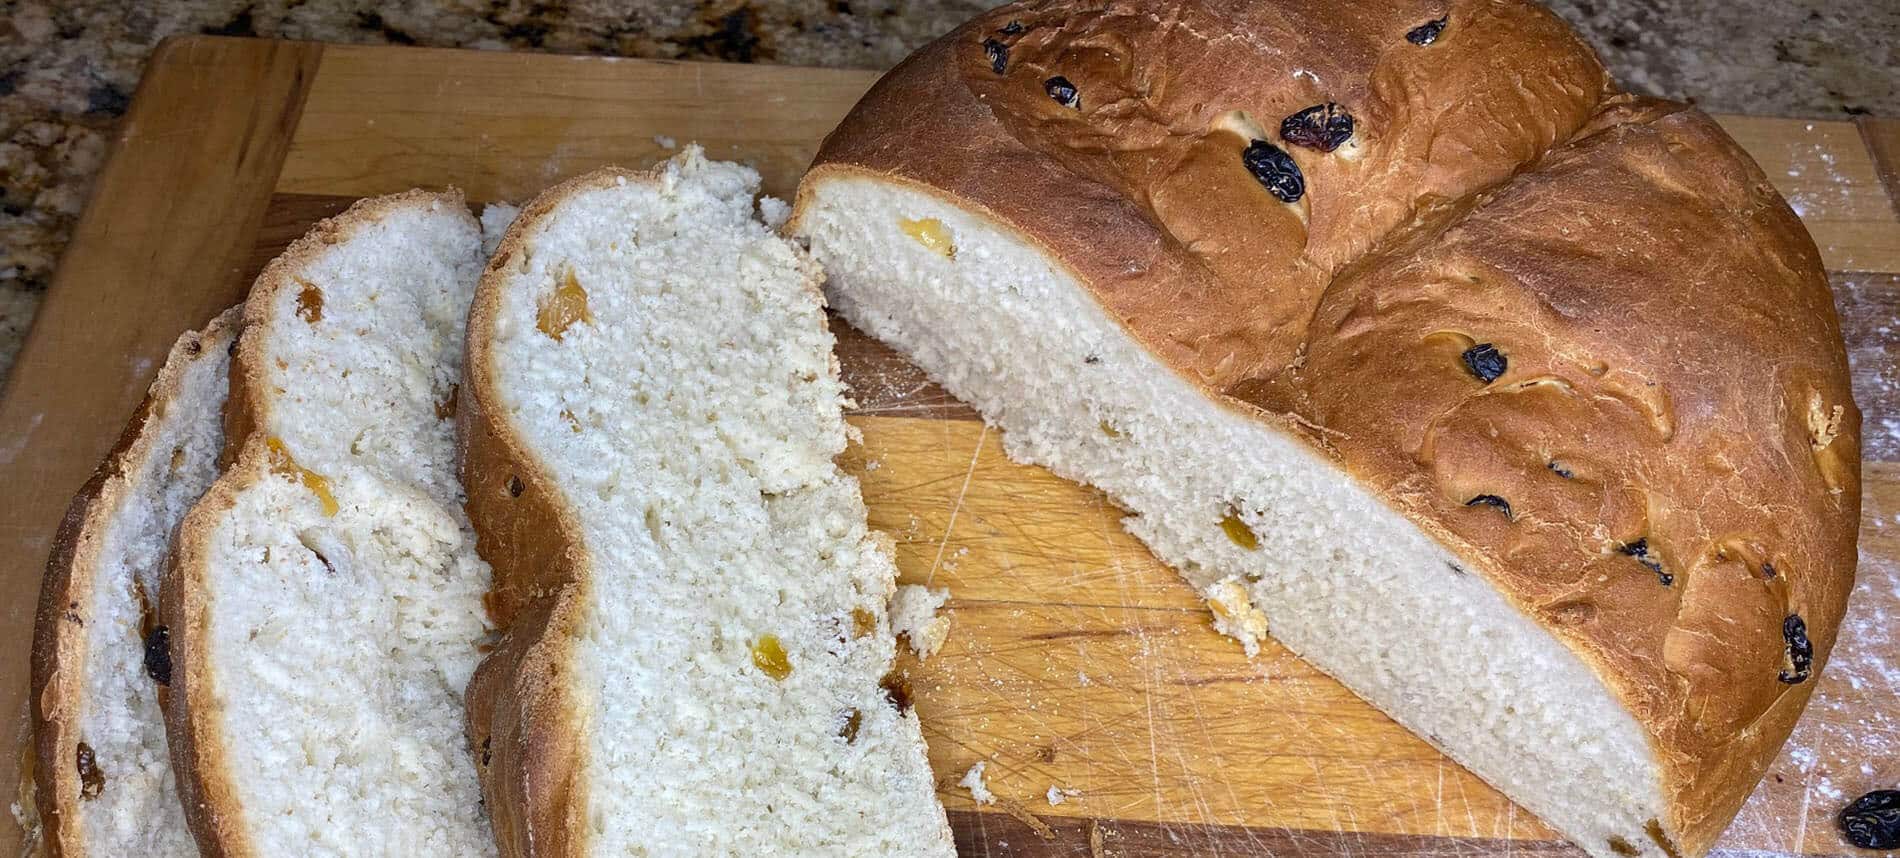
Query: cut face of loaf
[1321,555]
[1516,404]
[696,613]
[100,661]
[325,604]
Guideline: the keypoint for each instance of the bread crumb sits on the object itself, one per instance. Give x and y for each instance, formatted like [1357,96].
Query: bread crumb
[1234,613]
[973,781]
[665,142]
[1058,795]
[495,220]
[914,617]
[774,212]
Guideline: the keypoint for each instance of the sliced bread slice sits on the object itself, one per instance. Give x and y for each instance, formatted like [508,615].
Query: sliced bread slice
[325,601]
[698,653]
[100,661]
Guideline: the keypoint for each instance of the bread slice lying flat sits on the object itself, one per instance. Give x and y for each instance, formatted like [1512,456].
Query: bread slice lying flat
[325,602]
[1516,404]
[697,649]
[100,661]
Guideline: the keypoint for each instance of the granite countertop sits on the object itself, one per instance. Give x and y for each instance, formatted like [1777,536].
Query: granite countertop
[68,68]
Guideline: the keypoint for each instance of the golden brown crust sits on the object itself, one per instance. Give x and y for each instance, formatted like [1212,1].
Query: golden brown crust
[522,716]
[60,642]
[205,786]
[1675,370]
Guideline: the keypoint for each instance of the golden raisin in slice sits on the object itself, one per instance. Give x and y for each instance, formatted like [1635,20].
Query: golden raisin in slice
[931,233]
[768,655]
[852,723]
[92,780]
[1110,430]
[1239,532]
[563,306]
[896,690]
[573,422]
[1622,847]
[309,302]
[1654,829]
[282,463]
[863,622]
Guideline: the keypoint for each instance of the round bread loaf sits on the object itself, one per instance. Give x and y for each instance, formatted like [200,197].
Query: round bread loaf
[1338,297]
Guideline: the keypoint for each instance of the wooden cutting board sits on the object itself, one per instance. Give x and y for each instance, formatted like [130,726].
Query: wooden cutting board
[1075,659]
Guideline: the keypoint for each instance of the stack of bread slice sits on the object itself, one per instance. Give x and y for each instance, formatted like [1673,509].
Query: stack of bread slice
[682,647]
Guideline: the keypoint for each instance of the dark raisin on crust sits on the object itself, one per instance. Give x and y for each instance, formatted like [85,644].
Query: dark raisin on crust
[1798,662]
[92,780]
[1561,470]
[488,755]
[998,54]
[896,690]
[1501,504]
[1275,170]
[1873,820]
[1064,92]
[1639,551]
[158,655]
[1485,362]
[1767,569]
[1427,33]
[515,486]
[1323,126]
[1013,28]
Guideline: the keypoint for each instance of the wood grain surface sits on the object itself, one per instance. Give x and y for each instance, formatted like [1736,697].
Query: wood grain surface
[1075,659]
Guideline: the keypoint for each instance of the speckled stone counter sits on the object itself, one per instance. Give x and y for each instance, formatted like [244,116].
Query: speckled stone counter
[68,69]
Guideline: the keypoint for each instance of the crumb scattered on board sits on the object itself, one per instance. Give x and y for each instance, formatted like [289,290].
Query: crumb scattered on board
[1058,795]
[973,781]
[914,617]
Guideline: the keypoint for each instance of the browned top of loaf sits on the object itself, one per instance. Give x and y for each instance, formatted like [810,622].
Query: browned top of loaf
[1672,429]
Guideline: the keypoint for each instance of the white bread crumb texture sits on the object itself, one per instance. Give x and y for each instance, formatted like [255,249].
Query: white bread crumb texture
[342,586]
[666,359]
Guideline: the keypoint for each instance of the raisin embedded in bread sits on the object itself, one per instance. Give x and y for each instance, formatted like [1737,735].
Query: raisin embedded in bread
[695,609]
[325,601]
[1396,311]
[101,662]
